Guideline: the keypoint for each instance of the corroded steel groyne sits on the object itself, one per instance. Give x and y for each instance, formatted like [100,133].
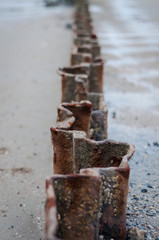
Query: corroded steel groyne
[87,195]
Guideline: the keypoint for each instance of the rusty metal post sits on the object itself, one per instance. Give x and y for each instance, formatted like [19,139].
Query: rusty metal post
[68,85]
[65,118]
[82,41]
[109,160]
[93,50]
[98,126]
[87,196]
[94,73]
[77,116]
[75,205]
[63,146]
[106,153]
[96,77]
[112,224]
[80,89]
[81,152]
[78,58]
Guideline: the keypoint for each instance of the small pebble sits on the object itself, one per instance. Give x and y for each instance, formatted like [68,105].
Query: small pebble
[149,186]
[156,144]
[155,195]
[135,198]
[150,214]
[114,115]
[68,26]
[11,227]
[143,190]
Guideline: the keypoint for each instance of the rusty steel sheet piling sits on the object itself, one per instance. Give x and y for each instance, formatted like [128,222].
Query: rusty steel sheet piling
[78,58]
[95,83]
[115,180]
[103,214]
[63,146]
[84,152]
[92,73]
[84,40]
[80,113]
[98,125]
[88,52]
[87,195]
[69,85]
[80,89]
[77,199]
[69,76]
[79,116]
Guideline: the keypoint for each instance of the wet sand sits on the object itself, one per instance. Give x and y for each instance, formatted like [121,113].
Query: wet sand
[32,49]
[129,35]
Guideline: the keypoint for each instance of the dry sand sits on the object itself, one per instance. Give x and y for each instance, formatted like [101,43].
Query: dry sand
[31,51]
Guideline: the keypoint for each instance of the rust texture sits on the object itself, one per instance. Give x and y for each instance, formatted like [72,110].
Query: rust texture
[85,53]
[63,143]
[77,206]
[91,71]
[82,152]
[112,223]
[106,159]
[87,195]
[79,116]
[75,116]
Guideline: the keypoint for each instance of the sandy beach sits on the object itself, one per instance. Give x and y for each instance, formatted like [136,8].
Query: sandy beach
[32,49]
[33,46]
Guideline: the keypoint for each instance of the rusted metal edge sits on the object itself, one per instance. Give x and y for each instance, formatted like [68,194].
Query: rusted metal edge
[79,116]
[92,71]
[112,197]
[87,195]
[82,152]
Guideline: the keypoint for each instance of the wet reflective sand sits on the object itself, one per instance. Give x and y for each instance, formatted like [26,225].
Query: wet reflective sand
[129,35]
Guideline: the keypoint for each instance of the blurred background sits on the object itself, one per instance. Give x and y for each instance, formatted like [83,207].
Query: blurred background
[11,9]
[35,40]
